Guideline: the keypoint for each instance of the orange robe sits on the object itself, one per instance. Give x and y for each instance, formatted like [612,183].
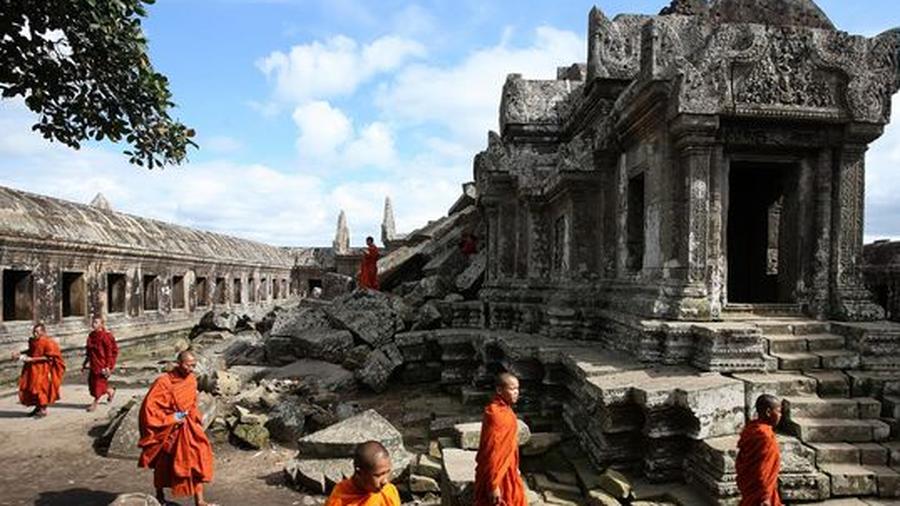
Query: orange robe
[102,352]
[368,269]
[497,462]
[40,381]
[180,454]
[758,463]
[346,493]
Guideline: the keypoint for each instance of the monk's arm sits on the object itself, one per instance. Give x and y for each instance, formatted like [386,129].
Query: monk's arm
[113,353]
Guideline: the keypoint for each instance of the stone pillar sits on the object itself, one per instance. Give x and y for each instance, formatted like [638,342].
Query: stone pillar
[539,240]
[607,160]
[850,299]
[717,258]
[818,300]
[491,222]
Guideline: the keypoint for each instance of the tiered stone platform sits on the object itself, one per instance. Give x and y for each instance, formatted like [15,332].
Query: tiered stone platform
[680,422]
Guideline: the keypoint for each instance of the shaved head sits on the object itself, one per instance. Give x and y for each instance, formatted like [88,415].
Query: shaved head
[766,402]
[367,455]
[185,355]
[504,378]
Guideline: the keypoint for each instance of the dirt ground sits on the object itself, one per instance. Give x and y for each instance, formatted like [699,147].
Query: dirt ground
[51,461]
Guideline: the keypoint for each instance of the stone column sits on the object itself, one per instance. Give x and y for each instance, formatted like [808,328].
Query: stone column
[492,222]
[539,240]
[818,300]
[850,299]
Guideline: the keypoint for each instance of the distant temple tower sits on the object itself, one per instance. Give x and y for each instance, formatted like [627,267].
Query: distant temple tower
[100,202]
[341,242]
[388,228]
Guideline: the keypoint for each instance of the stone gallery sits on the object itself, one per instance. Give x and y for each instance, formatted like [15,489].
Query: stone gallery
[652,240]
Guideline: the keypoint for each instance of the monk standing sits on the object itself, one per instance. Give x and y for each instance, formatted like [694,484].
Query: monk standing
[100,361]
[172,439]
[759,459]
[370,484]
[497,479]
[42,372]
[368,269]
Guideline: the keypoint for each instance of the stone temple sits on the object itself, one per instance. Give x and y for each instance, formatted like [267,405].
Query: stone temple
[664,233]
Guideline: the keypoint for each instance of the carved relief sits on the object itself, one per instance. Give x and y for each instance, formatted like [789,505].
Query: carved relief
[786,75]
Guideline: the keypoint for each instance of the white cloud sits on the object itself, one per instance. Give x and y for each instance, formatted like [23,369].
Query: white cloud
[328,139]
[322,129]
[883,181]
[464,98]
[221,144]
[334,67]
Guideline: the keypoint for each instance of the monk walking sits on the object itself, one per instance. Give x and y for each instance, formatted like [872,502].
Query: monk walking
[759,459]
[100,361]
[497,479]
[172,439]
[42,372]
[368,269]
[370,484]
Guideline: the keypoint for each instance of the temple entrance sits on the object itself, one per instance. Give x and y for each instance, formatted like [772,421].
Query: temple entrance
[762,233]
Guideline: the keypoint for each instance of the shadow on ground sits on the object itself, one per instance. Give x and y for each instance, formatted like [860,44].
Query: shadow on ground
[73,496]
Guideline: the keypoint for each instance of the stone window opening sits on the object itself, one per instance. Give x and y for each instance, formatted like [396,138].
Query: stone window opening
[264,289]
[115,293]
[236,291]
[276,289]
[560,244]
[151,292]
[18,295]
[202,292]
[74,295]
[220,291]
[251,289]
[178,292]
[634,224]
[284,289]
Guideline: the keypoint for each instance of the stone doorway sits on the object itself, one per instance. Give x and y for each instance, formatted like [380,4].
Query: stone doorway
[763,232]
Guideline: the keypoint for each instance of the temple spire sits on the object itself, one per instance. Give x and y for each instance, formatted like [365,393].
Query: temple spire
[341,244]
[388,229]
[100,202]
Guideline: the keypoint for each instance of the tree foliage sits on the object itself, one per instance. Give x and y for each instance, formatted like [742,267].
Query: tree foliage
[82,66]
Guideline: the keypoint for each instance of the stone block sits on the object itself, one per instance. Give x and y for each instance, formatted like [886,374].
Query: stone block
[254,435]
[135,499]
[468,435]
[379,366]
[428,466]
[340,439]
[458,479]
[317,373]
[372,317]
[540,442]
[423,484]
[850,480]
[615,484]
[803,487]
[600,498]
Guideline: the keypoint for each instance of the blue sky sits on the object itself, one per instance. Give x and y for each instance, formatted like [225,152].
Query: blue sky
[307,107]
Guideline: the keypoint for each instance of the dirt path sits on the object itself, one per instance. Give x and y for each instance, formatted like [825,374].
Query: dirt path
[51,461]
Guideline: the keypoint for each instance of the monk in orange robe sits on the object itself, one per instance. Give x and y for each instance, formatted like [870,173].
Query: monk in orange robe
[102,352]
[370,484]
[172,439]
[497,479]
[368,269]
[759,459]
[42,372]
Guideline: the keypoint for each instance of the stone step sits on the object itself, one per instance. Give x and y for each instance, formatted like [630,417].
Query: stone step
[834,430]
[830,383]
[818,407]
[797,361]
[838,359]
[851,453]
[792,326]
[798,343]
[862,480]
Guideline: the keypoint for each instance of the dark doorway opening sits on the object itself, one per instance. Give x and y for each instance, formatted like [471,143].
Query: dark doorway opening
[74,298]
[762,233]
[115,293]
[18,295]
[314,283]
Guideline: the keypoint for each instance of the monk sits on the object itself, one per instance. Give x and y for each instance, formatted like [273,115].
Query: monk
[759,459]
[100,361]
[370,484]
[172,439]
[497,479]
[42,372]
[368,269]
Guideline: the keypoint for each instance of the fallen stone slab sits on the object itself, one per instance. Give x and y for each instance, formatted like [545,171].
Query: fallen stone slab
[324,375]
[321,475]
[324,344]
[253,435]
[458,479]
[373,317]
[219,320]
[340,439]
[469,434]
[294,322]
[419,484]
[379,367]
[287,421]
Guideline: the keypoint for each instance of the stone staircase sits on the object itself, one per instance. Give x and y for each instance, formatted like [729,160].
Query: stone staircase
[838,420]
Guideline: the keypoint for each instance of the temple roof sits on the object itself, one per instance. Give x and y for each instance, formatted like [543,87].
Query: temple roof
[771,12]
[31,216]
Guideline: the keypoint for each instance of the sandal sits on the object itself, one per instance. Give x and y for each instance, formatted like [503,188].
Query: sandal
[110,396]
[41,414]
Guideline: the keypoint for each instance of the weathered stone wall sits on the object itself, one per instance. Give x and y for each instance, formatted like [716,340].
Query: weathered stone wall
[57,259]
